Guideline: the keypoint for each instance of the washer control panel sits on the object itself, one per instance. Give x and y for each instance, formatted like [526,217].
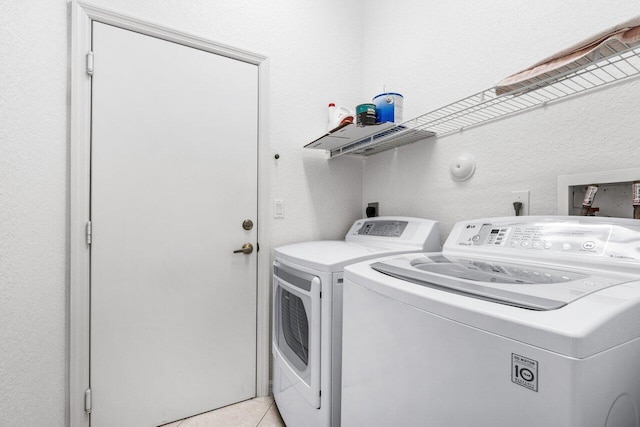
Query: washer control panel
[560,237]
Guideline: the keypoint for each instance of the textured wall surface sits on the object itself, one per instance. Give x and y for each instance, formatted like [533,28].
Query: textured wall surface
[33,212]
[315,56]
[445,51]
[431,51]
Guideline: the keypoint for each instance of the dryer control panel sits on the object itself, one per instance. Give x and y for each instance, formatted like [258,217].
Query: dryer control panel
[383,228]
[399,231]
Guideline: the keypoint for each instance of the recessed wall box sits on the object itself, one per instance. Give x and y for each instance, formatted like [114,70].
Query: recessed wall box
[614,197]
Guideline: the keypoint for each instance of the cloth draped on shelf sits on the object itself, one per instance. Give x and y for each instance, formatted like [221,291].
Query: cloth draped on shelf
[613,40]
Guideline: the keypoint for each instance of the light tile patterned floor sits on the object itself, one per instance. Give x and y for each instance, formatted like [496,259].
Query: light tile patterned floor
[258,412]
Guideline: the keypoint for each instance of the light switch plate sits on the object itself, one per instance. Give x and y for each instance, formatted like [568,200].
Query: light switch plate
[278,208]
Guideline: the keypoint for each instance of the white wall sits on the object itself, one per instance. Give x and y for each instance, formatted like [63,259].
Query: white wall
[432,52]
[33,212]
[437,52]
[315,56]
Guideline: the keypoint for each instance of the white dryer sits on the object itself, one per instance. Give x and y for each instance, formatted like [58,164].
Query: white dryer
[523,321]
[307,312]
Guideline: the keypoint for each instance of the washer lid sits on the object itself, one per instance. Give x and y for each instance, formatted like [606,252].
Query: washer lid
[526,286]
[588,325]
[333,255]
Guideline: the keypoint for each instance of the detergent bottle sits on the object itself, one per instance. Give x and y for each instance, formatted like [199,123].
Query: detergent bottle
[338,116]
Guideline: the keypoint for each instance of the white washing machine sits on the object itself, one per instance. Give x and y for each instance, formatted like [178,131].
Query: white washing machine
[523,321]
[307,309]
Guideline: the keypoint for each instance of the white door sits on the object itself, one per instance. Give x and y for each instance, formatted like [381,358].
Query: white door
[173,177]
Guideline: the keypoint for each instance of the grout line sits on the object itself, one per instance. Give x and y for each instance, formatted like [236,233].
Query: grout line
[259,421]
[265,413]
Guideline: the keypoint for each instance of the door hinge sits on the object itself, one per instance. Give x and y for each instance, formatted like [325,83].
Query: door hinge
[87,401]
[257,247]
[89,232]
[90,63]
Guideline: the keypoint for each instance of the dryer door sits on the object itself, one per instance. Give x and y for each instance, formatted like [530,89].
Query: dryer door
[296,335]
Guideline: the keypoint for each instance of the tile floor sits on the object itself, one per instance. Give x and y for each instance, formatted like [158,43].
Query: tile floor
[258,412]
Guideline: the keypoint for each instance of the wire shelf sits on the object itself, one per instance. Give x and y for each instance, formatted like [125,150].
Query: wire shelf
[608,64]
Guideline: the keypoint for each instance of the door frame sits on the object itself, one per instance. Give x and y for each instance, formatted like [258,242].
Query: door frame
[82,16]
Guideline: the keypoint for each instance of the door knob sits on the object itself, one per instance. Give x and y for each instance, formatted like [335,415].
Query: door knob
[247,248]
